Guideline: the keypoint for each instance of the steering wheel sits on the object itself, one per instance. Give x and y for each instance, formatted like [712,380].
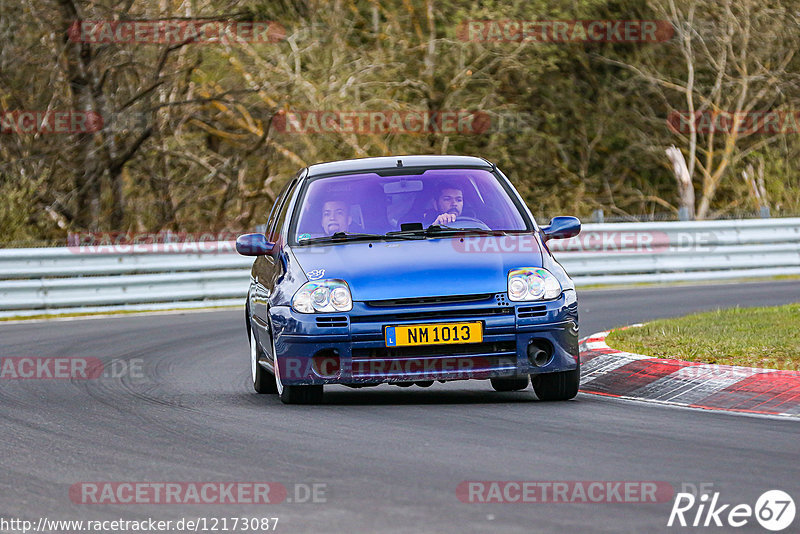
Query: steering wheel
[468,222]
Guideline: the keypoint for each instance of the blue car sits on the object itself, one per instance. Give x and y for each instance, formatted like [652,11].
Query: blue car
[408,270]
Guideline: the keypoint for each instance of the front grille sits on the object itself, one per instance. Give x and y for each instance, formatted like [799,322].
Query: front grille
[328,321]
[422,316]
[436,351]
[427,301]
[526,312]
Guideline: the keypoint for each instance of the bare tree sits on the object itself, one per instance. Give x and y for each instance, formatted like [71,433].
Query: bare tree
[735,59]
[684,180]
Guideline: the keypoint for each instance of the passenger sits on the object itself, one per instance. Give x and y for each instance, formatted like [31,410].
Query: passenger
[336,216]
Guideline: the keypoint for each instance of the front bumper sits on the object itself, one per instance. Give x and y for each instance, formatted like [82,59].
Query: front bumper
[349,348]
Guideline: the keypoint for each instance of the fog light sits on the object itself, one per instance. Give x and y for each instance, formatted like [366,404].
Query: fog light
[326,363]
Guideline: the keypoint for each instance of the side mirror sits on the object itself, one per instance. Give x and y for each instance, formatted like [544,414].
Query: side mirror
[253,245]
[562,228]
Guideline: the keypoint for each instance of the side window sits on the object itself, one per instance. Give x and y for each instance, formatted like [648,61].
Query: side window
[277,224]
[276,208]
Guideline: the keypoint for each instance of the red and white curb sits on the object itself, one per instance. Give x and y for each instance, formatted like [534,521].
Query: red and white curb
[614,373]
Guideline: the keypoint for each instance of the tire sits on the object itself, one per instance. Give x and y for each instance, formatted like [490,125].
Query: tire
[301,394]
[515,383]
[557,386]
[263,380]
[295,394]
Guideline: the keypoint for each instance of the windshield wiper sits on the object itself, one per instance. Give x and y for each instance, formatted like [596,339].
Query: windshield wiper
[346,236]
[437,229]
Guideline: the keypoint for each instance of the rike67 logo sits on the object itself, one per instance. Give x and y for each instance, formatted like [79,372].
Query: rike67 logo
[774,510]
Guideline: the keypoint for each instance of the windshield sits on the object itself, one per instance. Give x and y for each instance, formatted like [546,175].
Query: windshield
[376,205]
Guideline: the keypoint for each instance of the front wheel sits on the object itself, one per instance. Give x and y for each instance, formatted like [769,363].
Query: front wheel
[263,381]
[301,394]
[295,394]
[557,386]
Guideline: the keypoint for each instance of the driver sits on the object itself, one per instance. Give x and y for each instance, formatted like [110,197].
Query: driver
[449,202]
[336,216]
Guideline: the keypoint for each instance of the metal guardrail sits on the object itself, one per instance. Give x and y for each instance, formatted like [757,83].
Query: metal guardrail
[86,279]
[628,253]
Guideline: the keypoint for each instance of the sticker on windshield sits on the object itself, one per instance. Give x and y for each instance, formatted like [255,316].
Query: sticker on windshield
[316,274]
[303,237]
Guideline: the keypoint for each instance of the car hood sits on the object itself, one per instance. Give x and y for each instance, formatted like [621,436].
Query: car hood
[422,268]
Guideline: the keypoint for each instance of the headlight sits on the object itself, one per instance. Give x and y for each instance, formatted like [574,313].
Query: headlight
[323,296]
[532,283]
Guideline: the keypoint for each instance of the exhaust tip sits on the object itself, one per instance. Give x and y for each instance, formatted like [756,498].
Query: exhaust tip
[540,352]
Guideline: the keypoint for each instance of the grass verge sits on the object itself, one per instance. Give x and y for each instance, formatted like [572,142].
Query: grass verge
[109,313]
[752,337]
[639,285]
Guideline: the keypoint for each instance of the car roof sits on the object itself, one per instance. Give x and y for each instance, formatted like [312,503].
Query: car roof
[391,162]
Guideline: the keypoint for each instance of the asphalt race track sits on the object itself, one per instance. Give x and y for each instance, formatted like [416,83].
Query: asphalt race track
[390,459]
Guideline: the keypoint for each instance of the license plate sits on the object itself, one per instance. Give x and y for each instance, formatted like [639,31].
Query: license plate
[433,334]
